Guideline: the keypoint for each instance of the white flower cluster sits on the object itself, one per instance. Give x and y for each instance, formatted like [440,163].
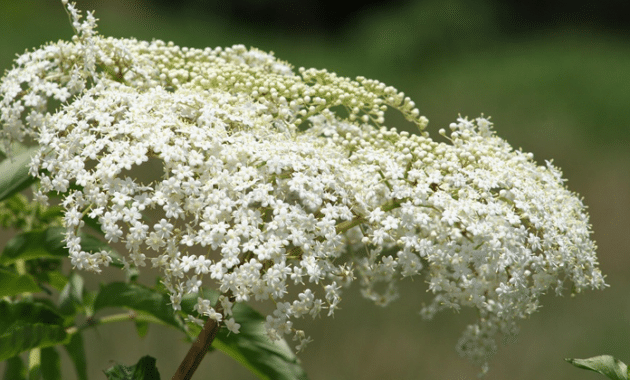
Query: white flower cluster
[285,179]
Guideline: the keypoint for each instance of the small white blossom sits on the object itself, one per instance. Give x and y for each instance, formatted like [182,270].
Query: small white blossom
[232,325]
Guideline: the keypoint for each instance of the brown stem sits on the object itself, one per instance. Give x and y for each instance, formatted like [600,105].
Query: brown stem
[198,350]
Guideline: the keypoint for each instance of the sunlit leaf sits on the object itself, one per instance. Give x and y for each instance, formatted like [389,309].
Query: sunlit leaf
[605,364]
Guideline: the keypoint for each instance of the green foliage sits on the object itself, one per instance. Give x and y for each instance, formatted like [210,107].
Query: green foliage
[15,369]
[34,245]
[140,299]
[14,175]
[76,351]
[605,364]
[145,369]
[12,284]
[50,364]
[25,336]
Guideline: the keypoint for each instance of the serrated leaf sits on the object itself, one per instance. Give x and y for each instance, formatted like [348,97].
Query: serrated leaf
[26,312]
[15,369]
[25,325]
[139,298]
[77,354]
[12,284]
[145,369]
[605,364]
[23,337]
[251,346]
[14,175]
[50,364]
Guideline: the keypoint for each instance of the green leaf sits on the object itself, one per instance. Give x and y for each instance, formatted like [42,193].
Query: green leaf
[139,298]
[23,337]
[35,244]
[12,284]
[77,354]
[15,369]
[71,296]
[50,364]
[251,346]
[14,175]
[45,244]
[604,364]
[26,312]
[27,324]
[56,279]
[145,369]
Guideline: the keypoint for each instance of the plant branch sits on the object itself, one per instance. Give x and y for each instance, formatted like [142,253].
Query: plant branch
[198,349]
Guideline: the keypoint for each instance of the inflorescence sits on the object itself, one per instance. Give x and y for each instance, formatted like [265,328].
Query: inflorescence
[289,179]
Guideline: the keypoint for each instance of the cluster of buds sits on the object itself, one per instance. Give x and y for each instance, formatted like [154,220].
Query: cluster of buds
[286,186]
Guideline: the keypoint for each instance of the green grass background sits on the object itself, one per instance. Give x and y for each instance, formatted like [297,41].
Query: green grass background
[561,93]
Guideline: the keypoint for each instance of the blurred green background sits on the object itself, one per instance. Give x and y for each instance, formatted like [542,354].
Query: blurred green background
[555,78]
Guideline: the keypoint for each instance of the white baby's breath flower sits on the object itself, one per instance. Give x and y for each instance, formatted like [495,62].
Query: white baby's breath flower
[277,189]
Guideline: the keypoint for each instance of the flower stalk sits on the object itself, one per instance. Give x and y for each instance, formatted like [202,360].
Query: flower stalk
[199,348]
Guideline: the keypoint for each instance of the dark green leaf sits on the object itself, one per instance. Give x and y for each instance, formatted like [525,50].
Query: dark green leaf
[77,354]
[604,364]
[15,369]
[14,175]
[145,369]
[139,298]
[50,364]
[26,312]
[251,346]
[71,296]
[23,337]
[25,325]
[12,284]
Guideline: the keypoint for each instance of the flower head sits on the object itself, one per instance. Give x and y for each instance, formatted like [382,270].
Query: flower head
[260,171]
